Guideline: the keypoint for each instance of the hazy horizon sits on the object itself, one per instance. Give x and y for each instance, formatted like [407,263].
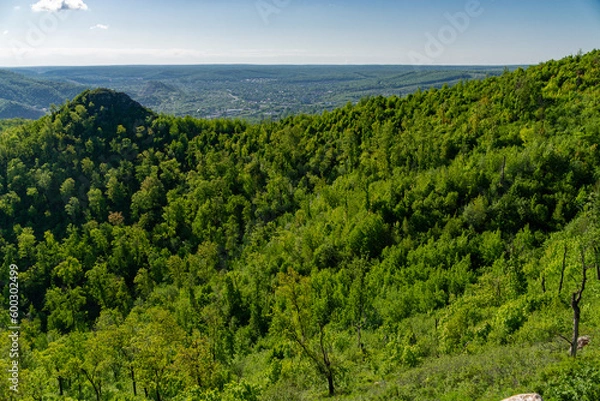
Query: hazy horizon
[241,64]
[290,32]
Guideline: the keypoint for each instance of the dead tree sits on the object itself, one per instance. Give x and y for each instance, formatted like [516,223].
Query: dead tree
[597,253]
[575,300]
[562,271]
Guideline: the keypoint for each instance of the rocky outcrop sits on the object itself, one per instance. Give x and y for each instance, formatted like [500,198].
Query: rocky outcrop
[525,397]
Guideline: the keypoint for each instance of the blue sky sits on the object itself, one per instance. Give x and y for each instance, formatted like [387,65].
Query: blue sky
[110,32]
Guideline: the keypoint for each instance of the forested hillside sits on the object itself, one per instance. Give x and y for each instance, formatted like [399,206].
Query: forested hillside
[25,97]
[430,247]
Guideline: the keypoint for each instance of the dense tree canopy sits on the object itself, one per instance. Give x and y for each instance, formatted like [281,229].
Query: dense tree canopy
[424,247]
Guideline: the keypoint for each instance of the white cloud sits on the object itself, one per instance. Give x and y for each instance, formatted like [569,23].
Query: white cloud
[59,5]
[5,33]
[17,8]
[100,26]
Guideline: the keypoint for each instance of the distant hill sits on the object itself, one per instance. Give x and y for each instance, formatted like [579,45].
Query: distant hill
[10,109]
[28,97]
[256,93]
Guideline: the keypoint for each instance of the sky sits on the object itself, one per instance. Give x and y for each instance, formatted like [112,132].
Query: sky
[425,32]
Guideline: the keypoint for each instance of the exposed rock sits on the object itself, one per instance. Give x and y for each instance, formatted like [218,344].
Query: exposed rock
[525,397]
[582,342]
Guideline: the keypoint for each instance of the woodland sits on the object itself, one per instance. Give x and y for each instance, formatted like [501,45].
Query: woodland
[442,245]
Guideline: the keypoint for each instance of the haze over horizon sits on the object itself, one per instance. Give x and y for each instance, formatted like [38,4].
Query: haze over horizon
[153,32]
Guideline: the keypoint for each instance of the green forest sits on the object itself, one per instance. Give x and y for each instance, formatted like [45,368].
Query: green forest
[437,246]
[28,97]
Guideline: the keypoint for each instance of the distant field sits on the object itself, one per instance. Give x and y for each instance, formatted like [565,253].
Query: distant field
[255,92]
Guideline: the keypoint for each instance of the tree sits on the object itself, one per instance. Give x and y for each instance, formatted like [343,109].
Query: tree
[96,359]
[63,359]
[360,295]
[108,290]
[305,309]
[97,204]
[66,309]
[26,243]
[195,363]
[67,189]
[575,300]
[157,341]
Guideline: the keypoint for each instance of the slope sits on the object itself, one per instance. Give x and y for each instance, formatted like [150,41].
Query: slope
[24,97]
[424,247]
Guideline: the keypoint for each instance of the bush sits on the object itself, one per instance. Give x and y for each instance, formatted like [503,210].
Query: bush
[572,380]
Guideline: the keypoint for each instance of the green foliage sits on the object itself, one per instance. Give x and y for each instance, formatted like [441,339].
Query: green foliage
[29,97]
[572,380]
[424,247]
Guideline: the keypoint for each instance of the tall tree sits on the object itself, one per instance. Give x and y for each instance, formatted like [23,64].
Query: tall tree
[304,312]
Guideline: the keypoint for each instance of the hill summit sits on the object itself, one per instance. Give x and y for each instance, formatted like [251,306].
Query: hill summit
[109,105]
